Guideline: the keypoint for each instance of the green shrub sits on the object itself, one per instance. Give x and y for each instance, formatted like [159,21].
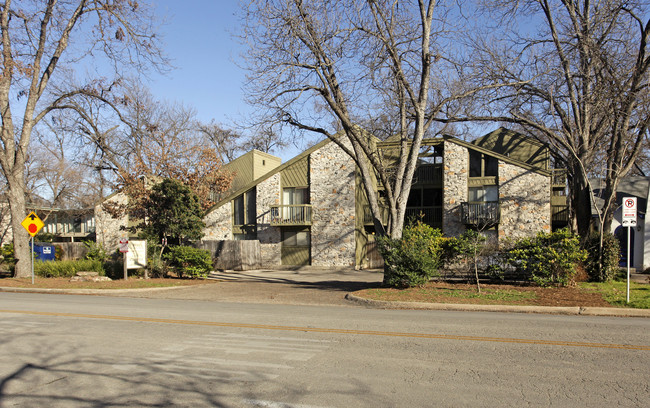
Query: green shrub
[611,258]
[58,252]
[156,263]
[414,259]
[96,251]
[8,260]
[56,269]
[114,268]
[190,261]
[549,258]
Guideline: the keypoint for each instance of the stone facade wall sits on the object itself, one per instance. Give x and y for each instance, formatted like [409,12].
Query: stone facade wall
[454,184]
[218,223]
[332,194]
[525,202]
[108,229]
[268,194]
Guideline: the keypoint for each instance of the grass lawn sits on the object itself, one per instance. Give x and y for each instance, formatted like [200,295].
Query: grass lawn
[615,293]
[610,294]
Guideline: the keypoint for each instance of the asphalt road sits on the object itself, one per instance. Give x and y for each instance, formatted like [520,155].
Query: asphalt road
[95,351]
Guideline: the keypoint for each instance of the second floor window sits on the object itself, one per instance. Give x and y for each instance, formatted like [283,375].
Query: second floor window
[483,194]
[295,196]
[482,165]
[244,208]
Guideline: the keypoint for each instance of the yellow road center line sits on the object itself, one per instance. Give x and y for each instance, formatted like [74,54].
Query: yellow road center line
[336,331]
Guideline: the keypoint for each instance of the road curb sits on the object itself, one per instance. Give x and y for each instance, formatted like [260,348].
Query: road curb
[86,291]
[570,310]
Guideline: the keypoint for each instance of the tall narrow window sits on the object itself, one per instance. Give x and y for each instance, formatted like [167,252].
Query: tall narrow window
[245,208]
[238,211]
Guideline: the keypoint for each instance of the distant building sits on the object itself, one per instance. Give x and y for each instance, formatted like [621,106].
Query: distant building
[638,187]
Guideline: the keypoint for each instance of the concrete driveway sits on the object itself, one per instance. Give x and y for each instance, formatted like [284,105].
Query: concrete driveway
[308,286]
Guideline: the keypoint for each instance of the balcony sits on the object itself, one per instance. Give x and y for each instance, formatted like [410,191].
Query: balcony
[367,215]
[297,214]
[428,174]
[428,215]
[558,177]
[480,214]
[560,214]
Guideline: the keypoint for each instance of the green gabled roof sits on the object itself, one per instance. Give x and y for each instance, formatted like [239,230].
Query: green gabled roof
[499,156]
[277,170]
[243,168]
[516,145]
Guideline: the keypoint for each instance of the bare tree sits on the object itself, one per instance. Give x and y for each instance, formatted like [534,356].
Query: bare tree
[226,141]
[231,143]
[330,67]
[135,137]
[41,42]
[583,73]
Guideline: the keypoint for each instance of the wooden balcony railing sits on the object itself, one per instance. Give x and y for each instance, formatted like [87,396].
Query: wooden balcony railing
[367,215]
[428,215]
[480,214]
[559,214]
[428,174]
[297,214]
[558,177]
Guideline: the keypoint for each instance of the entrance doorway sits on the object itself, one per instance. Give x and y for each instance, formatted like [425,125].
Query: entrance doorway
[621,235]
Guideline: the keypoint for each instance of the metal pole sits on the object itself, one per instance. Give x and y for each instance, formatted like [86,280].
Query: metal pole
[32,260]
[125,270]
[628,265]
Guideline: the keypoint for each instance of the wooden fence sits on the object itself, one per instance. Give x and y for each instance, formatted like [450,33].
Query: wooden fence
[234,255]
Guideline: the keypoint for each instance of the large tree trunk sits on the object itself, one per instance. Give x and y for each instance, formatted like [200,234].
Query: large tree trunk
[22,251]
[581,203]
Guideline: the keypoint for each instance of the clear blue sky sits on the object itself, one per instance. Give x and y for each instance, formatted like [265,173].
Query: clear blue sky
[198,39]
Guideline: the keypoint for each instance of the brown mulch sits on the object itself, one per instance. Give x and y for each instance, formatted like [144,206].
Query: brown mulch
[437,292]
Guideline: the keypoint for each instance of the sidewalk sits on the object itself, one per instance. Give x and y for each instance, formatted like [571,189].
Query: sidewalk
[316,286]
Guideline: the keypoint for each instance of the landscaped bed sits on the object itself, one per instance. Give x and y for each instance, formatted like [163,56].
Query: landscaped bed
[587,295]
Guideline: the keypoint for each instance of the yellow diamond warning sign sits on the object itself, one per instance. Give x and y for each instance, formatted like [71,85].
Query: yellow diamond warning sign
[32,223]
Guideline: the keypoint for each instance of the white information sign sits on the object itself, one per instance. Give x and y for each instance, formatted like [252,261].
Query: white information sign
[629,211]
[137,256]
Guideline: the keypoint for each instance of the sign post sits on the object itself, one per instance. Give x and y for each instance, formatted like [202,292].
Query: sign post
[629,221]
[124,248]
[32,224]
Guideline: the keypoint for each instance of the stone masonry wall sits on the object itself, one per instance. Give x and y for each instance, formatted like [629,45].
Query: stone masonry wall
[524,198]
[218,223]
[333,201]
[268,194]
[455,173]
[108,229]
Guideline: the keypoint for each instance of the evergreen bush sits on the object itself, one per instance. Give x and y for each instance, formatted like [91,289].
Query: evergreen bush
[190,261]
[611,258]
[414,259]
[549,258]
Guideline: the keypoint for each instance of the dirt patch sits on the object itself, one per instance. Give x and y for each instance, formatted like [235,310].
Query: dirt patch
[440,292]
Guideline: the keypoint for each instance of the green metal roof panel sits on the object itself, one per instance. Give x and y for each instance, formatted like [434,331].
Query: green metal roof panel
[296,175]
[516,146]
[278,169]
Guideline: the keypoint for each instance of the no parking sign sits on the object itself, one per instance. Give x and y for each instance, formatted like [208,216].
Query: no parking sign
[629,212]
